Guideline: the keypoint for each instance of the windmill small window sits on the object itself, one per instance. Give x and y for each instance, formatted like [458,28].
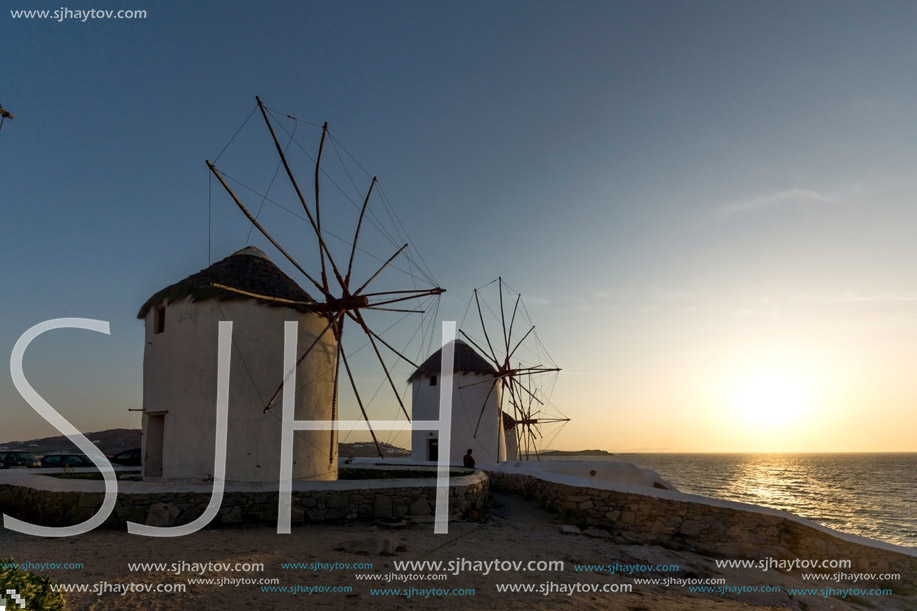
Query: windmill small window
[159,319]
[433,380]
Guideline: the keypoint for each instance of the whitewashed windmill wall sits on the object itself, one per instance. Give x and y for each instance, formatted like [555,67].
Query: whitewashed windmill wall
[477,421]
[180,375]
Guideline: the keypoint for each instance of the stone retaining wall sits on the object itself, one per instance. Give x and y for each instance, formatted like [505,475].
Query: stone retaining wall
[683,524]
[397,499]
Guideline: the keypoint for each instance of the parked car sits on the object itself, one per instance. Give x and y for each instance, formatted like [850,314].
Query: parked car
[59,461]
[128,458]
[9,460]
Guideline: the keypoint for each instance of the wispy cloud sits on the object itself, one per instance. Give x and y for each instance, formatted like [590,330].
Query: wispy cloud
[876,298]
[794,195]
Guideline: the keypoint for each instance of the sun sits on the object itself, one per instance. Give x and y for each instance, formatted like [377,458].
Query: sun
[772,398]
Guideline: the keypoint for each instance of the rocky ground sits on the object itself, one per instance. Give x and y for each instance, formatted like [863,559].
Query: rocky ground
[517,530]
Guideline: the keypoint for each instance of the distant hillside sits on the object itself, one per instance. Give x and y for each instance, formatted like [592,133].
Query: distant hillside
[114,441]
[111,441]
[368,448]
[575,453]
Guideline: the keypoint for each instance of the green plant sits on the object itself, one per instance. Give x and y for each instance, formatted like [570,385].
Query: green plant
[34,589]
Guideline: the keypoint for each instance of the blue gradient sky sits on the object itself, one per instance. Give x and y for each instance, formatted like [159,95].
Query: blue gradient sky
[697,200]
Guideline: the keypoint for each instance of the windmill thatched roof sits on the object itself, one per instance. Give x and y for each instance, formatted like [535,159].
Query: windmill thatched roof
[247,270]
[466,360]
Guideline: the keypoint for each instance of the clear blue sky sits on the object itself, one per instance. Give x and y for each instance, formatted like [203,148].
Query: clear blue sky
[700,201]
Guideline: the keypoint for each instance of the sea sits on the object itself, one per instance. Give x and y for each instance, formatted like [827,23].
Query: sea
[871,495]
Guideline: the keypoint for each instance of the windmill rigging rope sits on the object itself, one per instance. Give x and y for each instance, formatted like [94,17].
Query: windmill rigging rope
[370,214]
[280,112]
[335,142]
[226,146]
[418,270]
[424,269]
[396,222]
[267,192]
[209,220]
[304,219]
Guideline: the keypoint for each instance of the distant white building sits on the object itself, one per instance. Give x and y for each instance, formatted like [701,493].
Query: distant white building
[477,421]
[509,434]
[180,374]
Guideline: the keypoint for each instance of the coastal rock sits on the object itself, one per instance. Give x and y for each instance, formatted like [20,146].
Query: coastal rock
[233,516]
[161,515]
[387,546]
[637,518]
[738,532]
[90,501]
[338,501]
[370,546]
[420,507]
[382,507]
[690,527]
[336,513]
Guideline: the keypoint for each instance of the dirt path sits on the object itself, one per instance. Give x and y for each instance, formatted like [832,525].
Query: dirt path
[516,531]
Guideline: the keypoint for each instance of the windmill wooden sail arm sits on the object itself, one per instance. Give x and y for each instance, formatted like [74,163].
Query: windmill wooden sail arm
[358,299]
[526,380]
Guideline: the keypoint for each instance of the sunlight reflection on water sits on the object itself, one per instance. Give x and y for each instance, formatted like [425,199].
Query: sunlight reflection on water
[873,495]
